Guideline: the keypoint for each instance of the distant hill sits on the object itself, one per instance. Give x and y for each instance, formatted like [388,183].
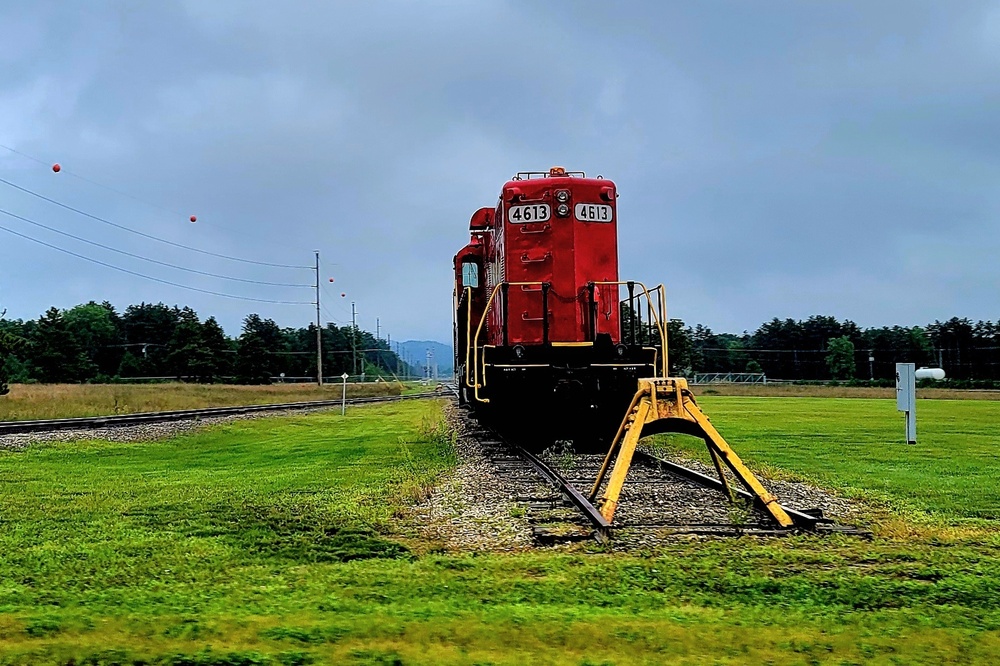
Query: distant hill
[414,352]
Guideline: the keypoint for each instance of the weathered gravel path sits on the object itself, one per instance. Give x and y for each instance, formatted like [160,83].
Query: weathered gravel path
[473,507]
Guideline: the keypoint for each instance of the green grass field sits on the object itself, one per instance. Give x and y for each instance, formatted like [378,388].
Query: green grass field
[286,541]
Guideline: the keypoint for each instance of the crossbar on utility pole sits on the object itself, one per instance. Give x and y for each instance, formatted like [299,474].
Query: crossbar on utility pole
[319,331]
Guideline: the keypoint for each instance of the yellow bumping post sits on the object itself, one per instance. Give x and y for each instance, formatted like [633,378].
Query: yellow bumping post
[666,405]
[633,430]
[718,445]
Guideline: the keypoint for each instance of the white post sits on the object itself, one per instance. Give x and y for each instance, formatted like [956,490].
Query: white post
[343,398]
[906,398]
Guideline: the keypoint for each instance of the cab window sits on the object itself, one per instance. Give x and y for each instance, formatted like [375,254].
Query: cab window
[470,274]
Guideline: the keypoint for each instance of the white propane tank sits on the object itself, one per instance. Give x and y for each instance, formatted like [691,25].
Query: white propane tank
[929,373]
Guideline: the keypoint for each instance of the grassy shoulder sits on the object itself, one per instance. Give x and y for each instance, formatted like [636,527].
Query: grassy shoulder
[788,390]
[285,541]
[53,401]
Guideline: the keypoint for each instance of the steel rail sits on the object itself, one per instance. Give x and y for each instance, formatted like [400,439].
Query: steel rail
[800,518]
[119,420]
[601,526]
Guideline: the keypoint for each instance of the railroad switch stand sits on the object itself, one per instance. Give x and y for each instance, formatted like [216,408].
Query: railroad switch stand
[667,405]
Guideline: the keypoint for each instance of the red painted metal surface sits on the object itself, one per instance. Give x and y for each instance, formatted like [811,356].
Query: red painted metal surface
[566,251]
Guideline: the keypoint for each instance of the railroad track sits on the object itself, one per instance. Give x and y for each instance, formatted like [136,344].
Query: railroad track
[661,499]
[665,498]
[120,420]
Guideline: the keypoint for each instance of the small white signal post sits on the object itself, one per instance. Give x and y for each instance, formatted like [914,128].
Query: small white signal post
[906,398]
[343,398]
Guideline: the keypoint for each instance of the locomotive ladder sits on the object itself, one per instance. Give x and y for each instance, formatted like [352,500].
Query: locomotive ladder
[667,405]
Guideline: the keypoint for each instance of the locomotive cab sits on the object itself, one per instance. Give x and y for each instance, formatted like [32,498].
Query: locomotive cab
[469,296]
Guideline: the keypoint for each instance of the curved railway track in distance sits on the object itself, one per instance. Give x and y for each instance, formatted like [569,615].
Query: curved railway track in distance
[118,420]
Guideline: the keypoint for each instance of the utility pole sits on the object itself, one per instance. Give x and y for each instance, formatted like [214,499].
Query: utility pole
[377,331]
[354,343]
[319,331]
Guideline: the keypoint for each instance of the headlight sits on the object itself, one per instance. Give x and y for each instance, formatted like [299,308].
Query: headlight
[562,196]
[518,351]
[562,210]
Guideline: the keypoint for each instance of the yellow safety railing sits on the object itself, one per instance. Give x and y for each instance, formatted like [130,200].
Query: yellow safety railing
[660,318]
[479,330]
[468,331]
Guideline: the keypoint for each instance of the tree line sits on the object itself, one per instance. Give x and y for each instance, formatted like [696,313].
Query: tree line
[823,348]
[93,342]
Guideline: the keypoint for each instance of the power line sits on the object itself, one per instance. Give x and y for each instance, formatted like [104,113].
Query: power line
[34,159]
[154,261]
[339,301]
[94,182]
[123,193]
[145,235]
[149,277]
[329,314]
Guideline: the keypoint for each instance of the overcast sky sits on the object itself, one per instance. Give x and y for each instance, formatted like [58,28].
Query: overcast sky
[773,158]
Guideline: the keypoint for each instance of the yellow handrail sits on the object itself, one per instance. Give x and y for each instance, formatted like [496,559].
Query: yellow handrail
[479,329]
[660,327]
[474,343]
[468,332]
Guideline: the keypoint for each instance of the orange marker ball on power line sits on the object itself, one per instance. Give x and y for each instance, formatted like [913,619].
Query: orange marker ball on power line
[56,167]
[194,219]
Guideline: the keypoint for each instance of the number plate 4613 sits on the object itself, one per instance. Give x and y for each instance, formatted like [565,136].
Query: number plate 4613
[529,213]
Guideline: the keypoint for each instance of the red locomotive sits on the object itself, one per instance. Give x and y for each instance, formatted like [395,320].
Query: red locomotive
[549,341]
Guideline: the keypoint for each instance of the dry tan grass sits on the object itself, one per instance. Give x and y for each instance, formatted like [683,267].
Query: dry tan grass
[811,391]
[50,401]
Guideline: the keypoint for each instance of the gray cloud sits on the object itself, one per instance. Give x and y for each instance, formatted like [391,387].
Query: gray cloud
[773,160]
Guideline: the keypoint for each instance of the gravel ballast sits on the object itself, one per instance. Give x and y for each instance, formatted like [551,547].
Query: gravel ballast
[493,501]
[144,432]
